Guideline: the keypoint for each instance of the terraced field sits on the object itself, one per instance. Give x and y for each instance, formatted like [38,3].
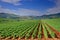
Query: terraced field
[28,30]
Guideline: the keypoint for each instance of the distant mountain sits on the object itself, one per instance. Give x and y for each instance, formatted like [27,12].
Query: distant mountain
[50,16]
[57,15]
[6,15]
[13,16]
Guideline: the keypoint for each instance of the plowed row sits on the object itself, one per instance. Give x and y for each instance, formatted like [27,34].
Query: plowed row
[40,30]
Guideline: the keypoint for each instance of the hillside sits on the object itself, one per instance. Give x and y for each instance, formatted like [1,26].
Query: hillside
[57,15]
[6,15]
[13,16]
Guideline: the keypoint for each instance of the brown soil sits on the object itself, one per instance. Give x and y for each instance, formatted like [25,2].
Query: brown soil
[57,34]
[37,30]
[42,32]
[55,31]
[31,33]
[34,39]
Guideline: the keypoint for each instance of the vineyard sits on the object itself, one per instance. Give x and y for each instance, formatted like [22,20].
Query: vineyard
[30,30]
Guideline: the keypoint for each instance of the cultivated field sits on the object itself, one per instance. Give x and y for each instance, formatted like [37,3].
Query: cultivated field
[47,29]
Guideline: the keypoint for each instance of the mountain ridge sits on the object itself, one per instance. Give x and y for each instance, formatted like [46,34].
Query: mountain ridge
[13,16]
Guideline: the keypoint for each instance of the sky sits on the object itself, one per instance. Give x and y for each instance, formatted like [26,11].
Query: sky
[30,7]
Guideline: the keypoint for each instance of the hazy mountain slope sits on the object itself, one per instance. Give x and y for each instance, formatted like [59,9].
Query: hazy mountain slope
[13,16]
[6,15]
[57,15]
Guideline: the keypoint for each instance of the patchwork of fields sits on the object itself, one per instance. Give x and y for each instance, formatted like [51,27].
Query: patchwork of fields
[30,29]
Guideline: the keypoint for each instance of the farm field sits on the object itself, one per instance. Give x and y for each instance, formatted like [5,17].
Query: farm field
[47,29]
[54,22]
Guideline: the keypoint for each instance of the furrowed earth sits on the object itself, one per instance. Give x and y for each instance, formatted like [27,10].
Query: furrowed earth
[45,29]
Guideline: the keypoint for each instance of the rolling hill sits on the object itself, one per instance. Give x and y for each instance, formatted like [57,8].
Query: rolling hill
[57,15]
[13,16]
[6,15]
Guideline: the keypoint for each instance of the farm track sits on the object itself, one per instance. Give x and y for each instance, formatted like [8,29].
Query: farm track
[57,34]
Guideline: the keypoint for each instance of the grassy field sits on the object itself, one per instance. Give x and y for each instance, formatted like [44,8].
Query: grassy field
[29,28]
[55,23]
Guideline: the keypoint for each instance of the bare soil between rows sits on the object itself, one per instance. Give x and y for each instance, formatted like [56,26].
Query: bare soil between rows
[54,30]
[34,39]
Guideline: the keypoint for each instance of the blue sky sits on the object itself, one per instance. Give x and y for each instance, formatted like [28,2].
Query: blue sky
[30,7]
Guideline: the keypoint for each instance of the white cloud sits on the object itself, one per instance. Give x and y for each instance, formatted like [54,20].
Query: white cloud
[4,10]
[55,9]
[57,3]
[14,2]
[28,12]
[21,12]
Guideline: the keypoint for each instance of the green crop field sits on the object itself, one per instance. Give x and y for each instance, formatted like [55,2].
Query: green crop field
[55,23]
[29,28]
